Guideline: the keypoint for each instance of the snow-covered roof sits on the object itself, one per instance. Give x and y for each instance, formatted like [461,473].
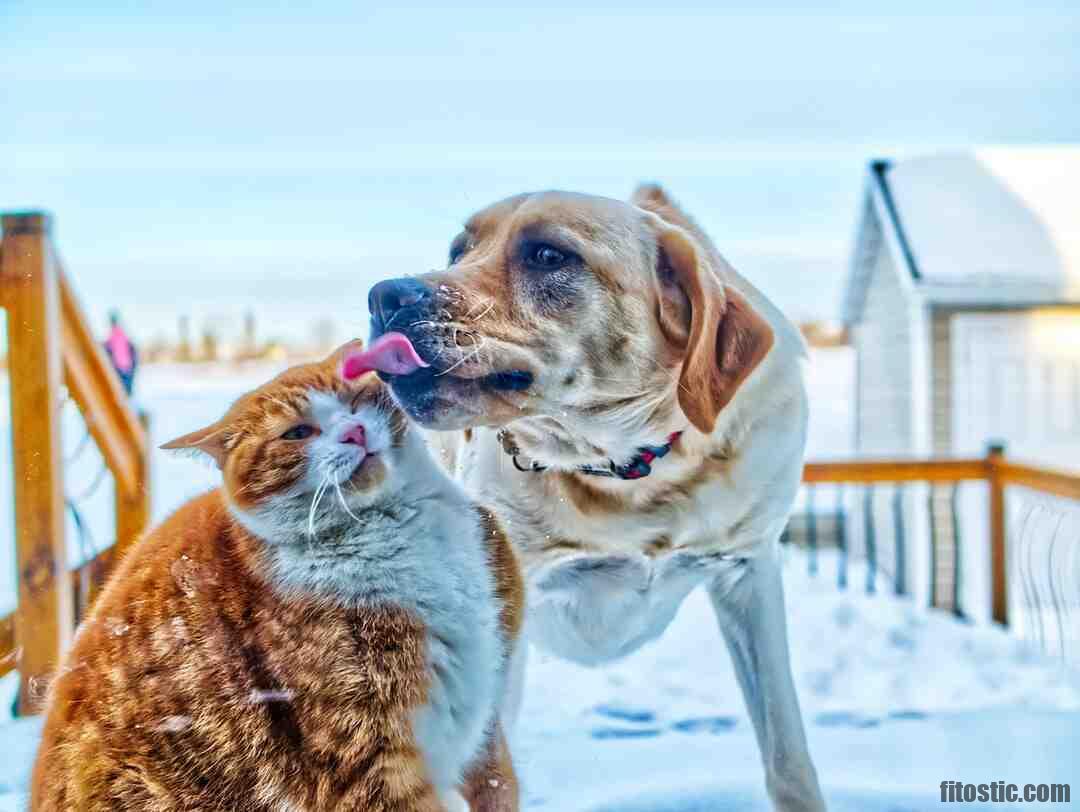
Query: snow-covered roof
[990,227]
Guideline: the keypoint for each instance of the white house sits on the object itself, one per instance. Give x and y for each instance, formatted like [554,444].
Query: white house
[964,305]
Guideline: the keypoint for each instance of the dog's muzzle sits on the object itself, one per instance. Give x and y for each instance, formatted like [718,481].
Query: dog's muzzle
[408,306]
[400,304]
[429,393]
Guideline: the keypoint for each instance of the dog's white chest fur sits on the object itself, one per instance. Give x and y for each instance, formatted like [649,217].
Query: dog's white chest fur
[607,591]
[592,609]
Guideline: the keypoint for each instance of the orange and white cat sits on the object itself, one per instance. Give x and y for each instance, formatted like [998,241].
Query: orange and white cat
[329,630]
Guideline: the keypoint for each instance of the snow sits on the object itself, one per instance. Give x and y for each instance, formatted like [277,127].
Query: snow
[994,217]
[896,698]
[894,768]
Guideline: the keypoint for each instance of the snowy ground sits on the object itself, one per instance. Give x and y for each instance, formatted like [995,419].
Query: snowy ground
[896,698]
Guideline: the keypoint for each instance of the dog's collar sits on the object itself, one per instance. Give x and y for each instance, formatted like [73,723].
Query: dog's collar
[639,467]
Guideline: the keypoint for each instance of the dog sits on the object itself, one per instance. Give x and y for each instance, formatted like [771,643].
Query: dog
[635,413]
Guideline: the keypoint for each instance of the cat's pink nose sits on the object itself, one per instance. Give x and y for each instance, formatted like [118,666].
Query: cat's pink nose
[354,435]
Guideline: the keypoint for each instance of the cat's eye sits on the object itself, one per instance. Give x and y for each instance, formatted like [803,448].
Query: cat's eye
[301,432]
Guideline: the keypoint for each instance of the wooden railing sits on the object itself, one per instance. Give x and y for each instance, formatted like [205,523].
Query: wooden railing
[52,353]
[994,469]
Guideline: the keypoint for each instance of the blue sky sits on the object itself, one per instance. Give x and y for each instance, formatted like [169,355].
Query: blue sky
[283,156]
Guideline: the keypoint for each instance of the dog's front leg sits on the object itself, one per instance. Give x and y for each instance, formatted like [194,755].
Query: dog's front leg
[749,604]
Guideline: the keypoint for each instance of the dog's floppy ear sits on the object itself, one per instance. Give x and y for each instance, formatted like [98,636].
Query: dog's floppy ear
[209,440]
[722,337]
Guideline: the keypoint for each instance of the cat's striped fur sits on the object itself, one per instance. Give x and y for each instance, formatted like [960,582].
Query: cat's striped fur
[253,653]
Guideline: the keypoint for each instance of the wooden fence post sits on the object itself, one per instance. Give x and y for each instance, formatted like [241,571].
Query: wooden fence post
[995,456]
[45,614]
[133,509]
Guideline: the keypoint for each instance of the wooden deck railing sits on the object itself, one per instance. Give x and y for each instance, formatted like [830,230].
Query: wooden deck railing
[993,469]
[51,349]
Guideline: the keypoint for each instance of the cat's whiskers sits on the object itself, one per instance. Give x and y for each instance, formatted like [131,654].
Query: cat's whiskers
[344,504]
[319,491]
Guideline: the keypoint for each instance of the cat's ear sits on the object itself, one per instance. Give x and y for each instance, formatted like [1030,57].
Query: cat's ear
[210,441]
[335,359]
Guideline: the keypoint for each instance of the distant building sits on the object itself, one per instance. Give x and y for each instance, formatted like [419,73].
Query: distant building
[963,305]
[184,351]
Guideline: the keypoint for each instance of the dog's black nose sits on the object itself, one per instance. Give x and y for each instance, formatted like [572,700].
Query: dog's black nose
[391,296]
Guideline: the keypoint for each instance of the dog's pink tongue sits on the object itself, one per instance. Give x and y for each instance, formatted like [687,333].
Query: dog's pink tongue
[392,353]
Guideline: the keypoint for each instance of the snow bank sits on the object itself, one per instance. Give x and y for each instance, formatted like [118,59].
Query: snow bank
[860,662]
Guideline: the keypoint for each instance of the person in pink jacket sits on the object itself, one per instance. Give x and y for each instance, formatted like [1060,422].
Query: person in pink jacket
[121,351]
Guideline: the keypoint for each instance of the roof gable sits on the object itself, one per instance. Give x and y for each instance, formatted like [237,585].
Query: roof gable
[992,227]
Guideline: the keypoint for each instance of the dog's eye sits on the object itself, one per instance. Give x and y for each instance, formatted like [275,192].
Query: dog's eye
[301,432]
[545,257]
